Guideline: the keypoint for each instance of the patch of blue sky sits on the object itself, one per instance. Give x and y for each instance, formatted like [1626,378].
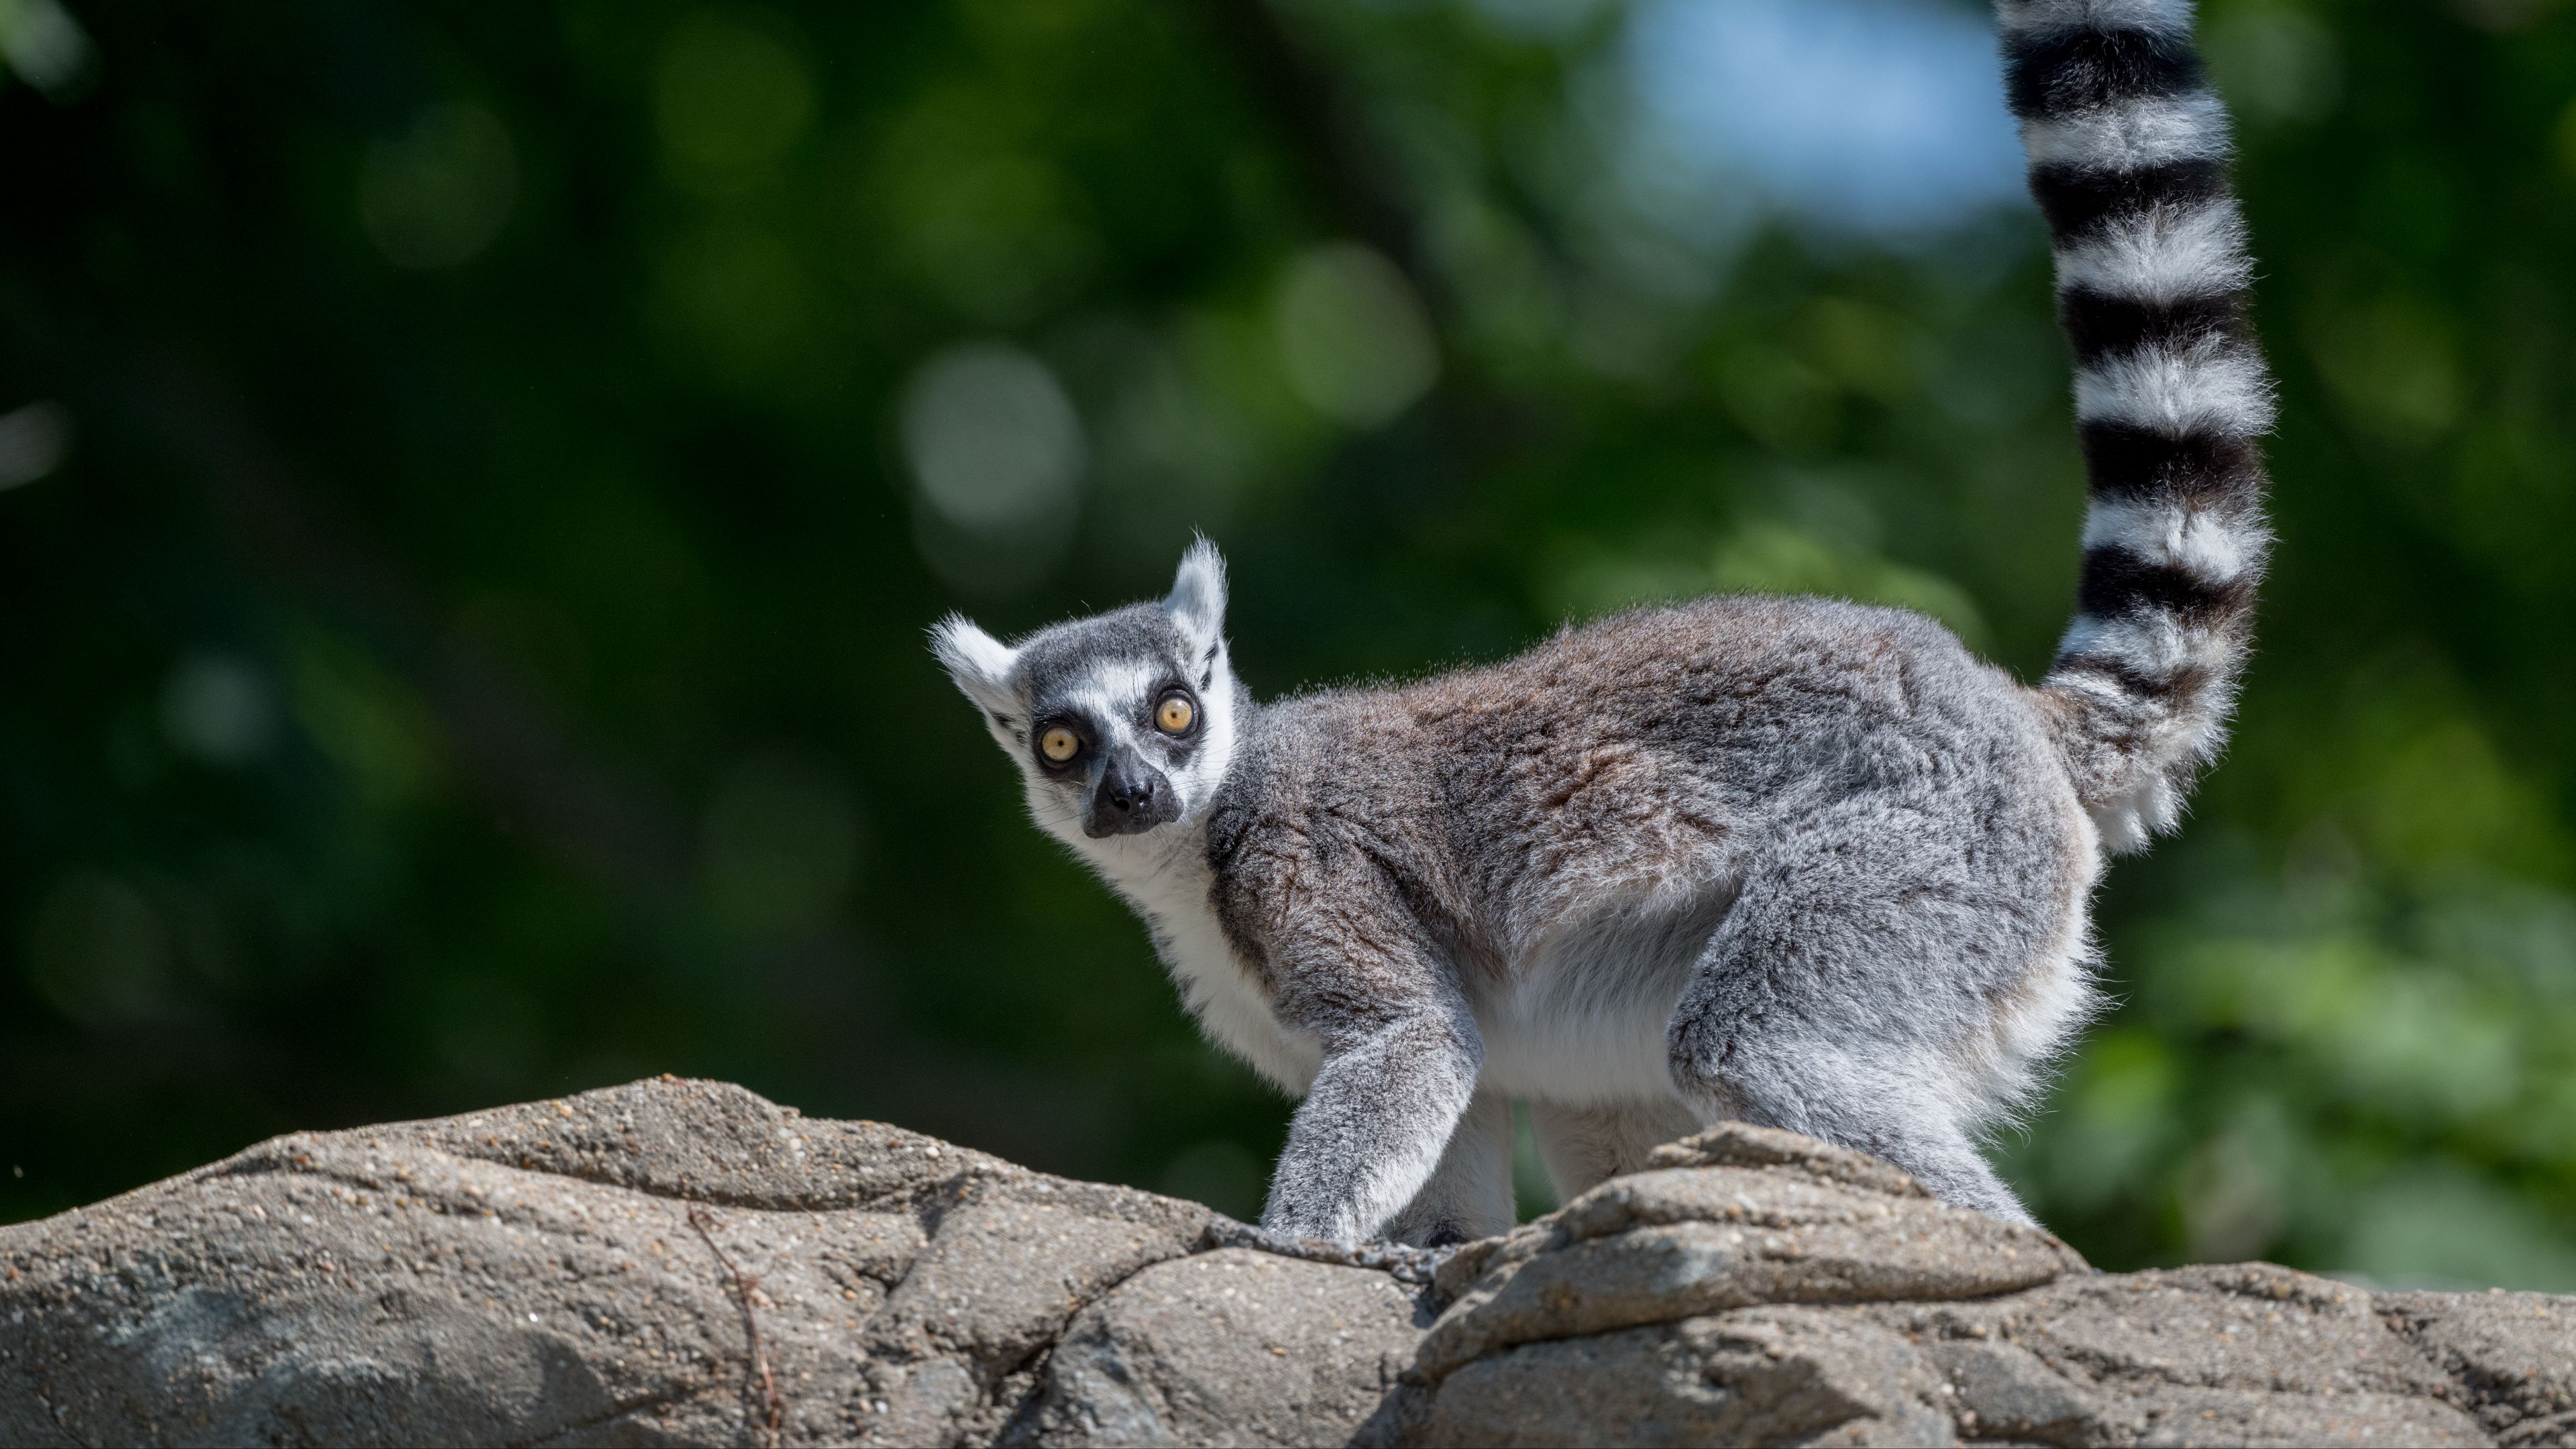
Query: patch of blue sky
[1876,118]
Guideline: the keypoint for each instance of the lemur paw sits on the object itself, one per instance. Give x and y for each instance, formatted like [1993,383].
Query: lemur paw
[1403,1263]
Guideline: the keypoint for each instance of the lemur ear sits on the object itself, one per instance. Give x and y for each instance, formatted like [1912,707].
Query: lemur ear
[979,663]
[1197,603]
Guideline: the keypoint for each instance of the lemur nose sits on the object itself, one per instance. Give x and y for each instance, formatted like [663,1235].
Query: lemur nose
[1132,794]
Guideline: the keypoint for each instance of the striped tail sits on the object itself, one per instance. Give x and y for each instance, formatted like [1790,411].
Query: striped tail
[2129,161]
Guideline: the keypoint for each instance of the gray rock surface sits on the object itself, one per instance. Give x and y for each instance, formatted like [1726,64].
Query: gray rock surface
[1231,1347]
[683,1263]
[645,1264]
[1741,1216]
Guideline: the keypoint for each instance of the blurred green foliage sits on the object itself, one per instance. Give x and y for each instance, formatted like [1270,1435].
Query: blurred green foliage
[480,477]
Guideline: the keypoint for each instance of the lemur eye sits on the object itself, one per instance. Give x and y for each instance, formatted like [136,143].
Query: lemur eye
[1058,744]
[1175,714]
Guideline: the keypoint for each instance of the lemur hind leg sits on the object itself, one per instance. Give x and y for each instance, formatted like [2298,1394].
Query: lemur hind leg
[1586,1146]
[1870,987]
[1807,1086]
[1470,1193]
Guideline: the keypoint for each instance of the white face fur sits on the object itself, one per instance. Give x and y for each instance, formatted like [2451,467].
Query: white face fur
[1122,725]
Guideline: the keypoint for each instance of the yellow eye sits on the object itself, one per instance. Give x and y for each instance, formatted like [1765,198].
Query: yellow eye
[1175,714]
[1058,744]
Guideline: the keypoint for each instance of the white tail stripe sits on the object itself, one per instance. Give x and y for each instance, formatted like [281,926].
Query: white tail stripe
[2132,135]
[2152,644]
[2128,821]
[2109,694]
[2162,256]
[2208,387]
[2034,17]
[2208,547]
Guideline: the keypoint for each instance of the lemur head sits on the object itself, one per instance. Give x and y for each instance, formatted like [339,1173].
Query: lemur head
[1121,722]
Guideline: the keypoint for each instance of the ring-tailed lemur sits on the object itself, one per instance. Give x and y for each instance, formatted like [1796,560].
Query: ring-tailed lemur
[1795,861]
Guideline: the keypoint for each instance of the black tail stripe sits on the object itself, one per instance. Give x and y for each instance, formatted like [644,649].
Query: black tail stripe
[2128,463]
[2117,582]
[2100,326]
[2060,72]
[2077,201]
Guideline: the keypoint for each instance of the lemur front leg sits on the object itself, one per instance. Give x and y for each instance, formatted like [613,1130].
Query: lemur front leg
[1469,1195]
[1377,1120]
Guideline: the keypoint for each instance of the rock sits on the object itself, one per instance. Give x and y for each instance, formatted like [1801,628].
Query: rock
[642,1264]
[2005,1391]
[1234,1347]
[683,1263]
[2250,1354]
[1741,1144]
[1761,1376]
[2512,1357]
[2252,1326]
[1803,1223]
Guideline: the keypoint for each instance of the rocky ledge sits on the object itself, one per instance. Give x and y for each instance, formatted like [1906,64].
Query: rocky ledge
[685,1263]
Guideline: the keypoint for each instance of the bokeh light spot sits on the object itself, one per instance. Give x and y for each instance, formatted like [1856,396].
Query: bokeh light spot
[33,441]
[1001,238]
[992,438]
[219,709]
[437,194]
[2275,64]
[730,97]
[47,48]
[1354,339]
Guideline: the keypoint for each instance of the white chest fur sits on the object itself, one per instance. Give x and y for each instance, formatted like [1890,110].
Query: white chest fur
[1167,881]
